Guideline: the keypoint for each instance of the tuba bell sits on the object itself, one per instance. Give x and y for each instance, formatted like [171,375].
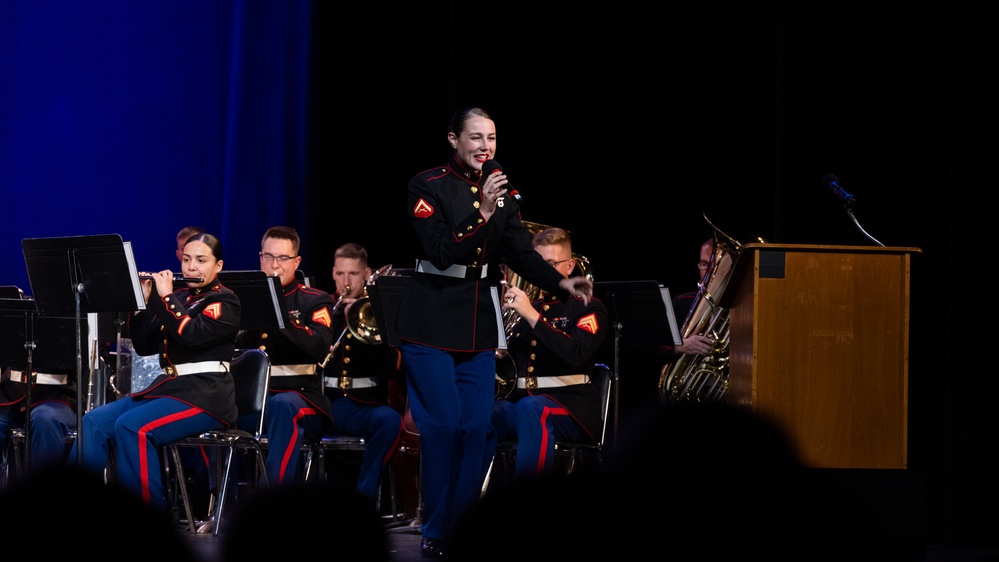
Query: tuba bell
[703,378]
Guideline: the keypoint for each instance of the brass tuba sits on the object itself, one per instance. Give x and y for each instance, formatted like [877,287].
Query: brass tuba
[702,378]
[506,367]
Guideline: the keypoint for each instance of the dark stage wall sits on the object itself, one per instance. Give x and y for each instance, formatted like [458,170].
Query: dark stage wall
[622,125]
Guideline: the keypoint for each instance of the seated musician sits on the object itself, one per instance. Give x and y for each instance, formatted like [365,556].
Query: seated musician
[53,411]
[358,376]
[192,331]
[553,346]
[296,408]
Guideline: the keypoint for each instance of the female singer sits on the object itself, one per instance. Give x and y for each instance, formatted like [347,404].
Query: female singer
[193,331]
[449,318]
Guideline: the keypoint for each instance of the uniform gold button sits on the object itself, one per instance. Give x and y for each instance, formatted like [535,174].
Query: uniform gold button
[530,369]
[346,360]
[475,204]
[475,189]
[264,336]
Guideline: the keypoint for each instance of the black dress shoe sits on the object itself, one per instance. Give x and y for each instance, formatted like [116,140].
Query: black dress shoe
[432,548]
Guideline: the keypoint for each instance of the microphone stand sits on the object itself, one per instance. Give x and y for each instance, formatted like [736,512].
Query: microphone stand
[849,211]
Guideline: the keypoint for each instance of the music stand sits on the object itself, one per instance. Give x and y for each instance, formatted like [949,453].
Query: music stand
[646,308]
[386,296]
[261,300]
[74,275]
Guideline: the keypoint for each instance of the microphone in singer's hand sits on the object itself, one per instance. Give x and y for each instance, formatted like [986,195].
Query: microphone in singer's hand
[491,167]
[831,183]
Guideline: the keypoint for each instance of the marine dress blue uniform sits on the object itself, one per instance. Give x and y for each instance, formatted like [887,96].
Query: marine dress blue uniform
[296,408]
[449,322]
[193,331]
[555,399]
[358,378]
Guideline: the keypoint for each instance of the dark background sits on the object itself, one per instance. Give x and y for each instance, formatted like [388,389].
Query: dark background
[625,124]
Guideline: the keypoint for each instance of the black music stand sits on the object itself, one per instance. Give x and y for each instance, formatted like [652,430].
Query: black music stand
[261,300]
[646,309]
[33,343]
[74,275]
[386,296]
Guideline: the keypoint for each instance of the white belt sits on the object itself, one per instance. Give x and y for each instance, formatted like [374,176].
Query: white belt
[292,370]
[457,271]
[549,382]
[350,382]
[199,367]
[40,378]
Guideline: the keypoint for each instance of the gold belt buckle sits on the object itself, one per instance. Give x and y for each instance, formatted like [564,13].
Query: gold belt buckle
[344,383]
[531,382]
[170,371]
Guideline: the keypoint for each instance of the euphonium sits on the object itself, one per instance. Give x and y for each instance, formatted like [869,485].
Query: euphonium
[506,367]
[702,378]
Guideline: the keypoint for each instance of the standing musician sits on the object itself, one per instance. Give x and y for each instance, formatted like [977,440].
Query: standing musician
[449,319]
[553,346]
[193,331]
[358,374]
[296,408]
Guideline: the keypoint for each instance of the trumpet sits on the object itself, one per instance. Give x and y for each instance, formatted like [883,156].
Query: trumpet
[177,277]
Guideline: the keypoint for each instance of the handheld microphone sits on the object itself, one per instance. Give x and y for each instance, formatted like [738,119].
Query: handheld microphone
[491,167]
[831,183]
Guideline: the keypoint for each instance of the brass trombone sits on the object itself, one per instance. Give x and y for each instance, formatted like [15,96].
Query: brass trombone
[360,317]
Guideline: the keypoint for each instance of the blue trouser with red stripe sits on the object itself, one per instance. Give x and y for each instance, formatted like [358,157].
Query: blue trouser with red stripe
[288,419]
[137,429]
[535,422]
[380,426]
[450,395]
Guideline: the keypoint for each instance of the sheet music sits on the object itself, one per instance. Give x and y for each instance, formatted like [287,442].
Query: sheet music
[670,316]
[140,301]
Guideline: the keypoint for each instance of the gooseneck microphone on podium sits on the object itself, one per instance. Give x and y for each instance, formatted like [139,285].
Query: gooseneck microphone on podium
[831,183]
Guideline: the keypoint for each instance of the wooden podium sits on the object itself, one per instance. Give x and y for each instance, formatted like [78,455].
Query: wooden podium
[819,342]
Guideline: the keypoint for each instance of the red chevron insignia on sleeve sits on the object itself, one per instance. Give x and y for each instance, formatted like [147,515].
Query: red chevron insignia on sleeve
[422,209]
[322,316]
[214,310]
[588,323]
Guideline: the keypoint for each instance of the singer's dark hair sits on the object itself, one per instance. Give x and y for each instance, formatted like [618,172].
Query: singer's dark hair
[460,117]
[212,242]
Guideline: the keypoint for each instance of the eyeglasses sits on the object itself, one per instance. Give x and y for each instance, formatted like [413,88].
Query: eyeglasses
[279,259]
[554,263]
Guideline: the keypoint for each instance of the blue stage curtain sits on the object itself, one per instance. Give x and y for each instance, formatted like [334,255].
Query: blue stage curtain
[139,118]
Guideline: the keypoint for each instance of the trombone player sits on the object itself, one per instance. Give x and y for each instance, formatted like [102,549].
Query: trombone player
[358,374]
